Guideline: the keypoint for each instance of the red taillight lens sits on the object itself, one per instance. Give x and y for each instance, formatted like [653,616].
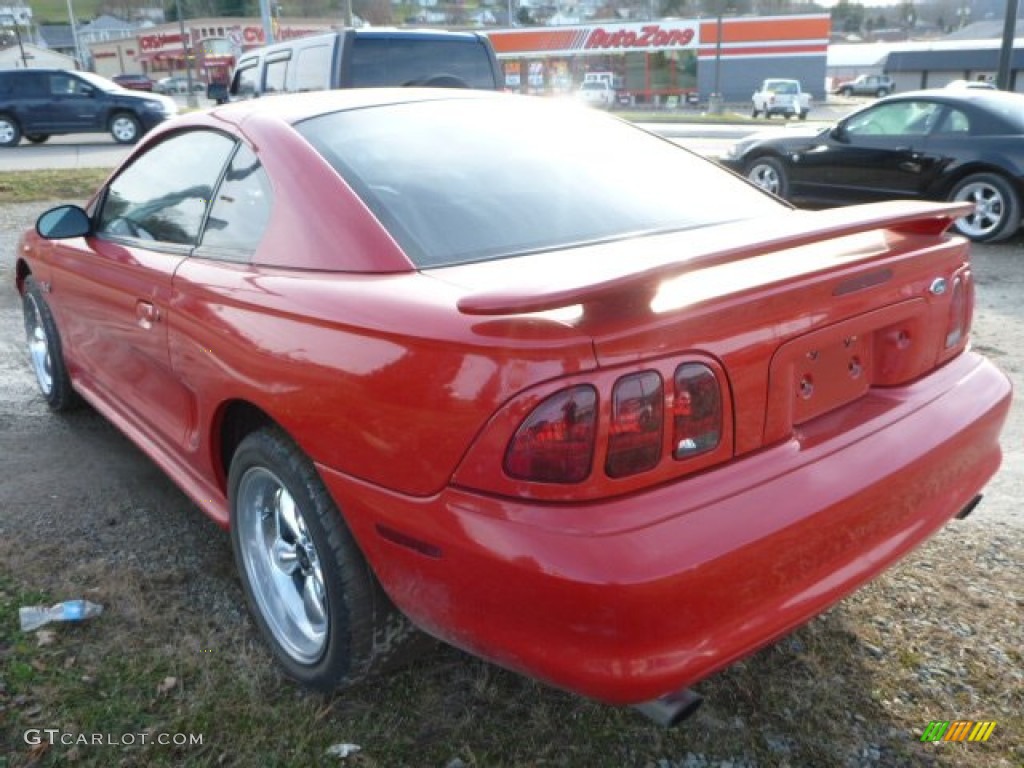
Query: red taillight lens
[556,442]
[696,411]
[960,309]
[635,434]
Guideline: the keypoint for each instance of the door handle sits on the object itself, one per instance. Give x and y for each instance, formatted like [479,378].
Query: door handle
[146,314]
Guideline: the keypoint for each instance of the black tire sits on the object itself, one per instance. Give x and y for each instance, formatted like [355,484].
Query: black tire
[803,115]
[754,113]
[124,128]
[767,115]
[37,138]
[997,213]
[279,505]
[769,174]
[882,92]
[45,351]
[847,92]
[10,131]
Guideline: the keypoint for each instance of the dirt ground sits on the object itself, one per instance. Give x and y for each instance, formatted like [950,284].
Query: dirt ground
[80,505]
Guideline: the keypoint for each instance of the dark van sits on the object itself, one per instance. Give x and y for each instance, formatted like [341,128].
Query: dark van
[368,58]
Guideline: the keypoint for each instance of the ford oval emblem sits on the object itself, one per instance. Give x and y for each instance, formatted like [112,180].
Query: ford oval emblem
[938,286]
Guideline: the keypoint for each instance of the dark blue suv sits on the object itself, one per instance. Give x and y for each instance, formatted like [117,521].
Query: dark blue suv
[39,103]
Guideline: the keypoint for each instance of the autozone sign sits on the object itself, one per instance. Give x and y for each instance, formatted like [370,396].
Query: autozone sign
[650,37]
[599,38]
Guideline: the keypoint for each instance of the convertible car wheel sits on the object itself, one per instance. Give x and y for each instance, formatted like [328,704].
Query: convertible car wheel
[311,591]
[44,349]
[996,208]
[769,175]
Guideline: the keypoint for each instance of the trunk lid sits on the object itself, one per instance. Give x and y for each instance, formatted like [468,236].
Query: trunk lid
[806,312]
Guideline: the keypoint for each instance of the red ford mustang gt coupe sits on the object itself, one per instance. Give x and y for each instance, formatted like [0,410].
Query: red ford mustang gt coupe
[517,375]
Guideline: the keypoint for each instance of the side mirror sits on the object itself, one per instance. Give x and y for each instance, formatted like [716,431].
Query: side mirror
[838,133]
[64,222]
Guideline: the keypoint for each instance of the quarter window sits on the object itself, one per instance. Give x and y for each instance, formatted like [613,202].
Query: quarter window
[163,195]
[241,210]
[313,68]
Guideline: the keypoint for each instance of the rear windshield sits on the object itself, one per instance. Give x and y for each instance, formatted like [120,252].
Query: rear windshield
[416,61]
[466,180]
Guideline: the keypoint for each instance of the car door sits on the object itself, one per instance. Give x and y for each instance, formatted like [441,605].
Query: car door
[115,288]
[876,154]
[29,95]
[72,105]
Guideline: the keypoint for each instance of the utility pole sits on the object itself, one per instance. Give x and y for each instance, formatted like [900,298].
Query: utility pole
[191,98]
[1006,52]
[268,24]
[9,17]
[74,36]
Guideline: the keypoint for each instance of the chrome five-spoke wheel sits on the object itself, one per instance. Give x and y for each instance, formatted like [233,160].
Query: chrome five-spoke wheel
[283,565]
[769,174]
[996,214]
[45,352]
[38,345]
[311,591]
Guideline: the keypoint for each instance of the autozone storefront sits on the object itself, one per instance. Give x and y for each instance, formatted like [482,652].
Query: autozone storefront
[659,60]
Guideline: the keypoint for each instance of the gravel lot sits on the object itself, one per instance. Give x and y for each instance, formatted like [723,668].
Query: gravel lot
[940,636]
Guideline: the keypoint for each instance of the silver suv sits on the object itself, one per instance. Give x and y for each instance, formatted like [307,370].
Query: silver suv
[867,85]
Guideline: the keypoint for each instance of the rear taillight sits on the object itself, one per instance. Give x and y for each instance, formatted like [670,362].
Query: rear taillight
[637,424]
[625,429]
[961,305]
[556,442]
[696,411]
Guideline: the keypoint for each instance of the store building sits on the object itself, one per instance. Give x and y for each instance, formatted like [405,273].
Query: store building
[654,62]
[668,59]
[213,45]
[933,64]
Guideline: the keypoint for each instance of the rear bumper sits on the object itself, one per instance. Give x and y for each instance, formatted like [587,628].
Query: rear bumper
[627,599]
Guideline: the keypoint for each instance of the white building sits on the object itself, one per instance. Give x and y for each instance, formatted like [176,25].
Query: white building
[10,58]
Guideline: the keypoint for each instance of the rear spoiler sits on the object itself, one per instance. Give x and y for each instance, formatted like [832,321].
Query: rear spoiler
[623,281]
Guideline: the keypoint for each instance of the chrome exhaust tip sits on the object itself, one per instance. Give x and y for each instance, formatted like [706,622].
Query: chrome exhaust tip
[969,508]
[671,709]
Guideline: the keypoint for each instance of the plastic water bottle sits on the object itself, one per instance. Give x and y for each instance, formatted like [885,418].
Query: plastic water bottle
[35,616]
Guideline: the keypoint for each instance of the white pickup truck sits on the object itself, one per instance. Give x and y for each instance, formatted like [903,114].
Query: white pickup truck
[781,97]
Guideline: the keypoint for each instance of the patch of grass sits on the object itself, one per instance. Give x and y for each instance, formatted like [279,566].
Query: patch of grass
[56,184]
[56,11]
[160,660]
[685,116]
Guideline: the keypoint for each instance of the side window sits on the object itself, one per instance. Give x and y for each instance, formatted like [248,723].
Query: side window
[243,85]
[164,193]
[241,210]
[955,122]
[313,68]
[65,85]
[276,78]
[904,118]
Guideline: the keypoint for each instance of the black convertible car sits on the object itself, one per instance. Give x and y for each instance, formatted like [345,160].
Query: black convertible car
[942,144]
